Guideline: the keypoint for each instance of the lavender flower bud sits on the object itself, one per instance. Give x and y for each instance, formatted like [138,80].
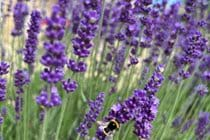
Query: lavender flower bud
[202,124]
[4,68]
[2,89]
[19,14]
[77,66]
[32,41]
[21,78]
[49,100]
[201,89]
[90,117]
[155,81]
[69,85]
[52,76]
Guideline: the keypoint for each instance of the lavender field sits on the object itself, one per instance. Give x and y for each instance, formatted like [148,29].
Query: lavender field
[104,70]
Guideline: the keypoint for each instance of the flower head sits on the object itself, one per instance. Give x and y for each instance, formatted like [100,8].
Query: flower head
[32,41]
[49,100]
[21,78]
[90,117]
[19,14]
[69,85]
[201,89]
[4,68]
[203,122]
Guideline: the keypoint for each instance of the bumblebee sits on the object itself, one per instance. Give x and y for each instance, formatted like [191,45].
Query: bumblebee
[108,128]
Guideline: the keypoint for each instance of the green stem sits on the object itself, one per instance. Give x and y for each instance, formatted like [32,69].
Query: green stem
[61,117]
[78,137]
[44,128]
[25,119]
[172,111]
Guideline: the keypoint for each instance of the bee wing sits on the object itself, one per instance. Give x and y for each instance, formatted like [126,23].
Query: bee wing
[110,137]
[101,123]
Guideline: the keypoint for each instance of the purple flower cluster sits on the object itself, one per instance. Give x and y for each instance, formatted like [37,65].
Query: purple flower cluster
[119,59]
[55,24]
[32,41]
[77,66]
[82,43]
[55,55]
[51,100]
[4,69]
[155,81]
[18,106]
[201,89]
[193,48]
[54,58]
[141,107]
[202,125]
[76,15]
[19,14]
[204,68]
[90,117]
[69,85]
[21,78]
[3,83]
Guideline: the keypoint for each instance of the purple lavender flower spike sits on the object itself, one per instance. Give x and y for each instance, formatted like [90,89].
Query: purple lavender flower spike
[69,85]
[18,106]
[119,60]
[49,100]
[155,81]
[55,97]
[19,14]
[21,78]
[147,114]
[56,24]
[42,99]
[206,75]
[55,55]
[31,43]
[141,107]
[202,125]
[52,76]
[90,117]
[54,58]
[1,120]
[201,89]
[2,89]
[4,68]
[77,66]
[82,42]
[76,17]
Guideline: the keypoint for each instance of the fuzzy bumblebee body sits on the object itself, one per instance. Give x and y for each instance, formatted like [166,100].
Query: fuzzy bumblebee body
[108,128]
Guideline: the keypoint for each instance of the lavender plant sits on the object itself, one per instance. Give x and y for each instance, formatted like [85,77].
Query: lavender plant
[105,70]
